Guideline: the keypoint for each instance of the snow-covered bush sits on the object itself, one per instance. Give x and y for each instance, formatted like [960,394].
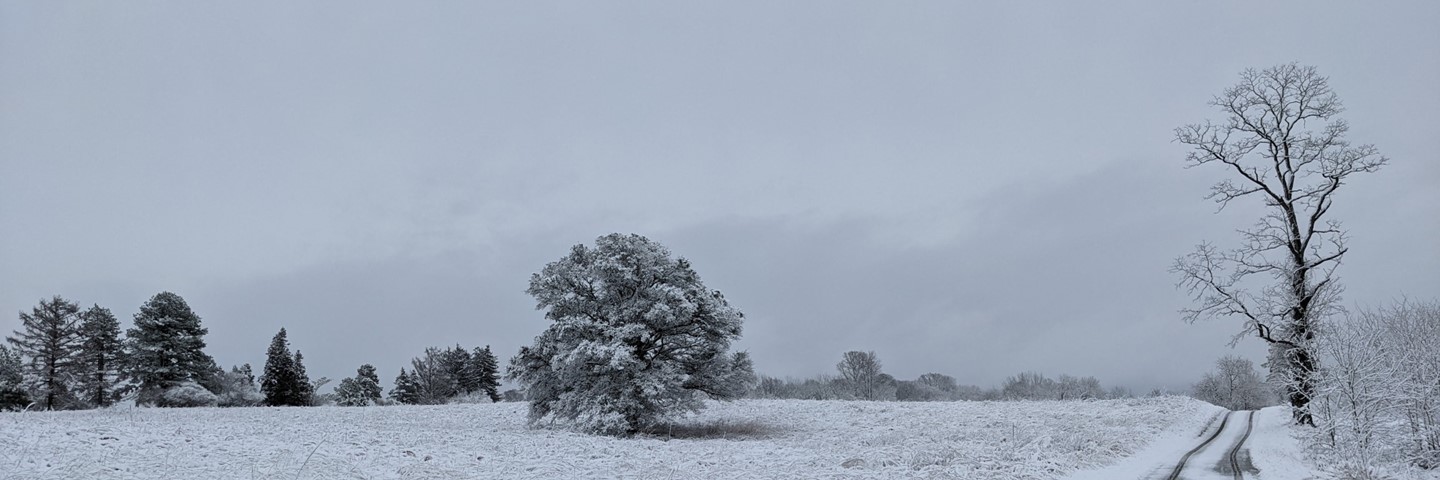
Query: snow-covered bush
[244,397]
[187,394]
[1378,394]
[636,339]
[470,398]
[237,389]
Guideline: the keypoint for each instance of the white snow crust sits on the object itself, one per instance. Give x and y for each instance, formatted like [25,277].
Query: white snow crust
[743,439]
[1276,449]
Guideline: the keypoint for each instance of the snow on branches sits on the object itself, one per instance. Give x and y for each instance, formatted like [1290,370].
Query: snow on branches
[636,339]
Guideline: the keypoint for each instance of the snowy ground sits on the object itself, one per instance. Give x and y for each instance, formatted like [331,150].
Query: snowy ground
[1158,457]
[1275,448]
[746,439]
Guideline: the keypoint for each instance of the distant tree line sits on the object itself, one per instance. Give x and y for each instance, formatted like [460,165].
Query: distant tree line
[860,377]
[66,358]
[448,375]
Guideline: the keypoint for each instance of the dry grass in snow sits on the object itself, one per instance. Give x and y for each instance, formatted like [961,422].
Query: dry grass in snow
[745,439]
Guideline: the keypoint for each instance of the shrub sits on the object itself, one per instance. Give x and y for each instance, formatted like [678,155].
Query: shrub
[188,394]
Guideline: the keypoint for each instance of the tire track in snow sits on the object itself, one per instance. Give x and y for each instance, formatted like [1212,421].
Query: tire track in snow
[1180,467]
[1229,463]
[1235,451]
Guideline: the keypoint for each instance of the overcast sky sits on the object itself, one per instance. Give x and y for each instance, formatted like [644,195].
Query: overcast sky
[976,189]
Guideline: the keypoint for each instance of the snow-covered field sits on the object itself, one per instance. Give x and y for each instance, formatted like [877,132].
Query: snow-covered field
[745,439]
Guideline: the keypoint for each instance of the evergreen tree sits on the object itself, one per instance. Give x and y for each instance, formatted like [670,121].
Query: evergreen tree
[51,342]
[407,388]
[279,383]
[486,372]
[305,390]
[166,347]
[372,387]
[363,389]
[636,340]
[12,377]
[100,355]
[457,364]
[212,377]
[246,371]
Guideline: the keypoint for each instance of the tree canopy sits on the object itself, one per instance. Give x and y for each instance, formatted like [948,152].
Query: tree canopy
[636,338]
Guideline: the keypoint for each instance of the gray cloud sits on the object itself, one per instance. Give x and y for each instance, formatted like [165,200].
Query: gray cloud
[973,189]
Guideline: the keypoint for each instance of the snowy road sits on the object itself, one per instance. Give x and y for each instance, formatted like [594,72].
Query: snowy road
[1222,455]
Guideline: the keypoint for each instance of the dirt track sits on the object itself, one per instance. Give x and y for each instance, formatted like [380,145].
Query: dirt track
[1222,455]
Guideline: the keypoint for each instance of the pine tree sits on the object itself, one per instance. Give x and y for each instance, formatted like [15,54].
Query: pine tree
[486,372]
[100,355]
[370,381]
[51,342]
[458,366]
[12,377]
[212,377]
[246,371]
[636,339]
[305,390]
[166,347]
[280,383]
[407,388]
[363,389]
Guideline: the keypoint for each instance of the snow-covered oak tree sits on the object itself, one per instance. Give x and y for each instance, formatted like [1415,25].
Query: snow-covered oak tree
[1269,142]
[636,340]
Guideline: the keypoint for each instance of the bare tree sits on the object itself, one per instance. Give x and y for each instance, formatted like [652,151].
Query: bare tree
[1030,386]
[1078,388]
[1234,385]
[861,372]
[1270,144]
